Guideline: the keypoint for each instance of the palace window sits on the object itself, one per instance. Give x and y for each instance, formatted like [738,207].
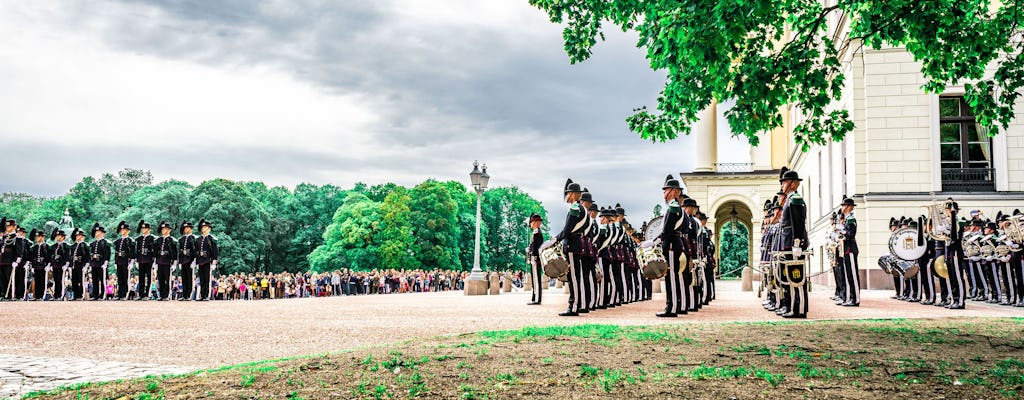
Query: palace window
[966,149]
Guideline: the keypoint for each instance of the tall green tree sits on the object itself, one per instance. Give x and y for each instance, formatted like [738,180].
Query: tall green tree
[352,240]
[434,218]
[397,240]
[239,221]
[765,55]
[165,201]
[18,205]
[506,212]
[734,249]
[311,210]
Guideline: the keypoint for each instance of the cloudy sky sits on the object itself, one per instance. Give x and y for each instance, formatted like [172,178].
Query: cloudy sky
[324,92]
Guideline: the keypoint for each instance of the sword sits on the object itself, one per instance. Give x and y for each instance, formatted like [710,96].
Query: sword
[28,264]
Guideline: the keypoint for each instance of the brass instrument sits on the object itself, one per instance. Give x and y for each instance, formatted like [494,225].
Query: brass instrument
[1015,229]
[942,223]
[940,267]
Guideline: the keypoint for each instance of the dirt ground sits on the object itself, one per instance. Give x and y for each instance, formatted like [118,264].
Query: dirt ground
[211,334]
[961,358]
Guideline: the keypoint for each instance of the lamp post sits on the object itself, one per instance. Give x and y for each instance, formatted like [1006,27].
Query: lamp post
[733,214]
[476,283]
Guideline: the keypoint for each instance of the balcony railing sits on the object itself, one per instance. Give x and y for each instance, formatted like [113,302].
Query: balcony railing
[968,180]
[734,167]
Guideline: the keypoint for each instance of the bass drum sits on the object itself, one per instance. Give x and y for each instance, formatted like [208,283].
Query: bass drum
[903,245]
[654,228]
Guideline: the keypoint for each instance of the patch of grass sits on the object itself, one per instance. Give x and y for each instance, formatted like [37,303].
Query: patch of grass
[508,379]
[247,380]
[471,393]
[588,371]
[730,372]
[609,379]
[805,370]
[548,360]
[152,386]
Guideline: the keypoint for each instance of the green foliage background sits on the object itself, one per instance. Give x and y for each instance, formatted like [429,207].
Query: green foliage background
[309,227]
[734,249]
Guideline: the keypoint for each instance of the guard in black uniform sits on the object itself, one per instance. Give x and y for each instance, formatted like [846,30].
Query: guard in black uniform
[166,256]
[124,255]
[672,247]
[954,258]
[588,255]
[207,257]
[609,288]
[793,237]
[576,222]
[707,244]
[22,272]
[689,231]
[851,272]
[99,256]
[79,263]
[186,259]
[533,253]
[145,252]
[60,261]
[10,257]
[39,255]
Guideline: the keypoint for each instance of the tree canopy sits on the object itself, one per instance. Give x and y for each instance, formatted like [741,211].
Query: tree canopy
[319,227]
[765,55]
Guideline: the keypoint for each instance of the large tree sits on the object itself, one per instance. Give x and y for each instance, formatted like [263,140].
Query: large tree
[765,55]
[352,240]
[434,216]
[505,215]
[239,220]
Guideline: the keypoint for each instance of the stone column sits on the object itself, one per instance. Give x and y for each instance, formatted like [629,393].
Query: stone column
[558,283]
[495,287]
[656,285]
[507,286]
[706,130]
[529,283]
[748,280]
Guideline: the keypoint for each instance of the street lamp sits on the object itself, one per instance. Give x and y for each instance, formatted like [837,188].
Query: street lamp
[479,178]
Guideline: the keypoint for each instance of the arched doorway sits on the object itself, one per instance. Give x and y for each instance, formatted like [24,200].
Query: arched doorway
[733,224]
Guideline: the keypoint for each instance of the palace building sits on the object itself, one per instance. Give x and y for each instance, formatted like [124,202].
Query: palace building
[908,149]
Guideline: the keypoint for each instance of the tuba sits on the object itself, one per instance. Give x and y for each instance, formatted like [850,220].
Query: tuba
[941,223]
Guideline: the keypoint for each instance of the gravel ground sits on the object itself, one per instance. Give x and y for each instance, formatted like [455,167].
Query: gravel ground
[208,334]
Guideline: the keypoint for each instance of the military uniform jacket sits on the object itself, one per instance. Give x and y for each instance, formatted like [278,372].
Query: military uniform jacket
[536,239]
[588,249]
[604,241]
[60,254]
[145,249]
[850,235]
[690,229]
[671,230]
[793,224]
[11,252]
[79,254]
[23,245]
[956,236]
[206,250]
[99,252]
[124,250]
[187,250]
[39,255]
[166,250]
[576,221]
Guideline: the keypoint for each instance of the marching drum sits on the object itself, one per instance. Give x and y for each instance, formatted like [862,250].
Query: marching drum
[653,262]
[555,265]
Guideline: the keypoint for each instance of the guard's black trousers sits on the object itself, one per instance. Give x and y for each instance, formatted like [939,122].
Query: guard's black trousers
[536,276]
[187,283]
[163,280]
[122,280]
[145,279]
[204,281]
[39,277]
[99,280]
